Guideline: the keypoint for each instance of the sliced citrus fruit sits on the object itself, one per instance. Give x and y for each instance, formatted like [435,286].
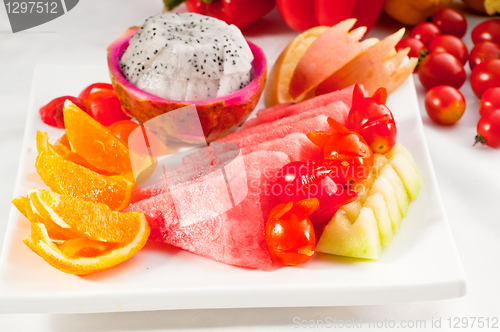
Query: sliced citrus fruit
[94,142]
[66,177]
[79,247]
[100,238]
[89,220]
[55,231]
[279,79]
[40,243]
[63,148]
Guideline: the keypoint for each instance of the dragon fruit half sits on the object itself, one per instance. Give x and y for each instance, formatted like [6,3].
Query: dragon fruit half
[175,60]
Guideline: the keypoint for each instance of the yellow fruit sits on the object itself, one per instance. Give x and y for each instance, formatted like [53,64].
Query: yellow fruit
[412,12]
[492,6]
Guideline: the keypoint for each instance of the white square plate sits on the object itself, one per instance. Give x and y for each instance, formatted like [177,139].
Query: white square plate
[421,264]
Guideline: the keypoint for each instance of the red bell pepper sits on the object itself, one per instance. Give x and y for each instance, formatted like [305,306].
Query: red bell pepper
[302,15]
[238,12]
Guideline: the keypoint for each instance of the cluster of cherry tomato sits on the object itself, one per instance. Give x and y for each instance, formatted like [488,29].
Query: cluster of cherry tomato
[312,191]
[101,102]
[443,55]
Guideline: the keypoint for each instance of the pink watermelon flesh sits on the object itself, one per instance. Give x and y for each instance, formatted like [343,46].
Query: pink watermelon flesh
[297,146]
[252,141]
[235,236]
[305,126]
[165,177]
[337,110]
[254,121]
[276,113]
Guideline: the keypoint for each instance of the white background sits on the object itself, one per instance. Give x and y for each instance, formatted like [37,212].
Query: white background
[469,179]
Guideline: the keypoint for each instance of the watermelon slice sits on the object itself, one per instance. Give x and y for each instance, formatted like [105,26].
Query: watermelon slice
[319,61]
[297,146]
[275,113]
[337,110]
[235,236]
[305,126]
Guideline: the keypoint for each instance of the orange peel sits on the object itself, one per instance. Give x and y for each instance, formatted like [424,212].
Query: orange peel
[107,242]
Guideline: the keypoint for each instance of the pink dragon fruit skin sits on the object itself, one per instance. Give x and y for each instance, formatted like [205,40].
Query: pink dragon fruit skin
[218,116]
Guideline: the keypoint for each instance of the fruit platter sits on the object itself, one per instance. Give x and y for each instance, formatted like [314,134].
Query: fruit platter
[421,262]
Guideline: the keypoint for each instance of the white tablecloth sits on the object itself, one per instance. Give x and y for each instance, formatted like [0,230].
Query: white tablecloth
[468,177]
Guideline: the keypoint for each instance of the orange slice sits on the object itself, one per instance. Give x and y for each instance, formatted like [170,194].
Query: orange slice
[89,220]
[279,79]
[40,243]
[63,148]
[66,177]
[94,142]
[103,239]
[56,232]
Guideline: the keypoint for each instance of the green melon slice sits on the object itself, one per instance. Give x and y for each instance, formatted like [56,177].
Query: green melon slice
[377,203]
[409,176]
[360,239]
[361,228]
[399,190]
[384,186]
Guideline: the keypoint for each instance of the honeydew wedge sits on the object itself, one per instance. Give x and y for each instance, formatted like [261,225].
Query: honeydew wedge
[408,175]
[384,186]
[400,149]
[360,239]
[379,209]
[353,209]
[377,203]
[399,190]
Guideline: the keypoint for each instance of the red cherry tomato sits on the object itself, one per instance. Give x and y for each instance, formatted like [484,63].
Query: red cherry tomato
[441,69]
[488,30]
[344,145]
[290,236]
[417,48]
[483,51]
[488,129]
[322,179]
[425,32]
[52,113]
[373,120]
[96,89]
[484,76]
[450,21]
[122,130]
[103,104]
[490,101]
[444,104]
[415,45]
[452,45]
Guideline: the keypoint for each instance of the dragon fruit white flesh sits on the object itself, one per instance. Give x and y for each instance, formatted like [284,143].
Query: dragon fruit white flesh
[187,57]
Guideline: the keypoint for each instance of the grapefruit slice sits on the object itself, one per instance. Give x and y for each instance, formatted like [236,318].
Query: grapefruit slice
[387,73]
[276,91]
[322,58]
